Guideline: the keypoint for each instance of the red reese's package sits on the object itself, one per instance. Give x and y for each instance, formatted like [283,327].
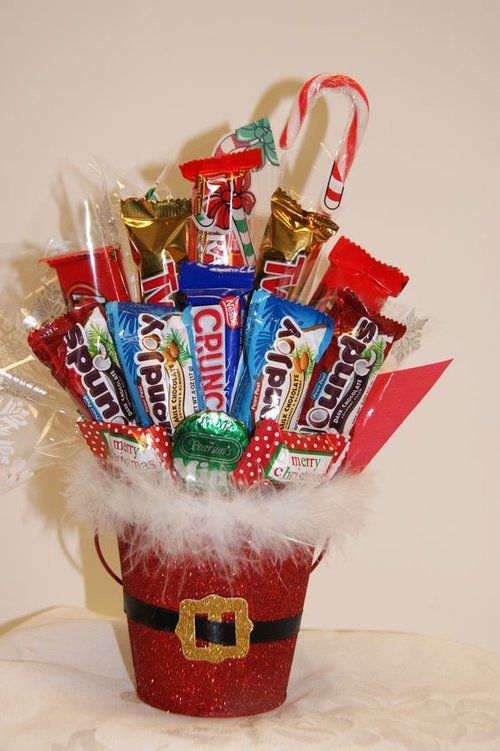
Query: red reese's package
[352,267]
[79,350]
[343,377]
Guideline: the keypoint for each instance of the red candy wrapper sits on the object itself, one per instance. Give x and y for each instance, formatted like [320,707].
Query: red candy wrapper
[140,448]
[79,350]
[281,456]
[352,267]
[95,273]
[343,377]
[222,203]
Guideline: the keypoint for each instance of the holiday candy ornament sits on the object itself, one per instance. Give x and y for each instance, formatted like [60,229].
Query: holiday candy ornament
[214,407]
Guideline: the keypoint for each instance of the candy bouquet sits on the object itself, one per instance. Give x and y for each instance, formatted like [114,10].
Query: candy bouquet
[227,354]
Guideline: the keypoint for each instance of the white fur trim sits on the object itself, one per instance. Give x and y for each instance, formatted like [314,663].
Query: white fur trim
[171,522]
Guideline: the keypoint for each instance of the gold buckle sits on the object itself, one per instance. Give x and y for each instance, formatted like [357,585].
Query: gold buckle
[214,606]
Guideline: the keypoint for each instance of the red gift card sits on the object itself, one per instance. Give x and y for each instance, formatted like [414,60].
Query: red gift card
[279,456]
[392,398]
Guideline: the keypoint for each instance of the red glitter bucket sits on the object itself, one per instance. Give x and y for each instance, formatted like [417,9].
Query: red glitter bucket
[213,642]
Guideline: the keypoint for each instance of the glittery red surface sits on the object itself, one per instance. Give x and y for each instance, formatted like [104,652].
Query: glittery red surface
[248,685]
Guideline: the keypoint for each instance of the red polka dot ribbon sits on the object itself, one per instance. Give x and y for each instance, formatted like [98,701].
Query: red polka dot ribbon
[267,440]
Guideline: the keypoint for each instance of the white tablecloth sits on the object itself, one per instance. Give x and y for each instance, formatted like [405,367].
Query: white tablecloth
[65,685]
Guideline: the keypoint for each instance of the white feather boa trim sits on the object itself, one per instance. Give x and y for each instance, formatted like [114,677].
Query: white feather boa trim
[159,516]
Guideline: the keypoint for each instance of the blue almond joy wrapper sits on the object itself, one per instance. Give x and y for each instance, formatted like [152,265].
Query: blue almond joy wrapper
[157,353]
[218,297]
[283,342]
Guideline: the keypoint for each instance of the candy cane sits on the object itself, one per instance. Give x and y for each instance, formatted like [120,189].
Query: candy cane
[344,158]
[250,136]
[228,144]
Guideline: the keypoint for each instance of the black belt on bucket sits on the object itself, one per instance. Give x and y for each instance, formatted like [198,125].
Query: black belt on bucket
[214,632]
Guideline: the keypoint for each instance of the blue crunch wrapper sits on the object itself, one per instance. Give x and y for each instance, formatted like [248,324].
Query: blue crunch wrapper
[157,353]
[218,298]
[283,341]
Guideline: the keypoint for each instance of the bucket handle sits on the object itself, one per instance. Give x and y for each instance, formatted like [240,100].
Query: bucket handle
[114,576]
[320,557]
[104,562]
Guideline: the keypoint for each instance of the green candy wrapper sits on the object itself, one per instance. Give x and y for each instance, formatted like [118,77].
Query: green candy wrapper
[207,447]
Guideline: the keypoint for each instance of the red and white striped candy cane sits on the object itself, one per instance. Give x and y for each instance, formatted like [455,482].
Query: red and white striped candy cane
[227,145]
[309,93]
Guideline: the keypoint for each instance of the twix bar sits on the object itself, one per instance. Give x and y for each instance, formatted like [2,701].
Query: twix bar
[291,243]
[158,234]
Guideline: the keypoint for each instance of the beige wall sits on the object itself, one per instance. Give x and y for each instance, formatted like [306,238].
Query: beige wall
[136,83]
